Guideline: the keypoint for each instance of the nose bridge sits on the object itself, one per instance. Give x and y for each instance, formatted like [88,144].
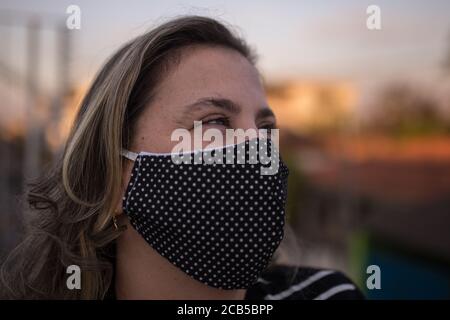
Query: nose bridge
[246,120]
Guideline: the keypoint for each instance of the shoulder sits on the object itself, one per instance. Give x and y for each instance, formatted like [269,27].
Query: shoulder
[303,283]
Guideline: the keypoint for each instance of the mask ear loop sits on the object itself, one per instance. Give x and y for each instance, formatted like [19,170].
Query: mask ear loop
[129,154]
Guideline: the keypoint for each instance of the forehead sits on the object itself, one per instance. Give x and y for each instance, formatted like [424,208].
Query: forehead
[205,71]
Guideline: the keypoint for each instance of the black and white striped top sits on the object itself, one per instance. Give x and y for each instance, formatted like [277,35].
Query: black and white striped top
[296,283]
[300,283]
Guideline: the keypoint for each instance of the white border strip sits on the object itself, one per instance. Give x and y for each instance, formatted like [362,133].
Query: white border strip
[133,155]
[299,286]
[335,290]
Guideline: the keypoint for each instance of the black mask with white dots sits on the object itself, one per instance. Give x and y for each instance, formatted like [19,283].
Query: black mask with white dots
[216,214]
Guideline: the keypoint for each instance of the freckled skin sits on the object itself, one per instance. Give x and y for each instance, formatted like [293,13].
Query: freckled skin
[141,273]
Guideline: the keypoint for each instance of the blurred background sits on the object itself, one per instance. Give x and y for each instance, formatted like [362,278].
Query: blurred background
[364,117]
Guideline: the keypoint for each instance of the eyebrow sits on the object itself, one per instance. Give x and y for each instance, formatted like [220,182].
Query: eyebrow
[265,113]
[222,103]
[228,105]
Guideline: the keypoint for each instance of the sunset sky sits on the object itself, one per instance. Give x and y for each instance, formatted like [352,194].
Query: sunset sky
[312,40]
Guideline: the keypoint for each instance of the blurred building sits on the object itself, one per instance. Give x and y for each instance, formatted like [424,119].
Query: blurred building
[306,107]
[366,197]
[365,200]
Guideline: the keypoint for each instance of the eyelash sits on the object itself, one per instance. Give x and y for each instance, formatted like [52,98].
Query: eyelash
[269,126]
[226,121]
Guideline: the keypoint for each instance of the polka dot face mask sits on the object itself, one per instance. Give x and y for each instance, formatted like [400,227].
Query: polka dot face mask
[218,221]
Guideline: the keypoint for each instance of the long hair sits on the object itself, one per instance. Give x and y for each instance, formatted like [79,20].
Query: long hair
[72,205]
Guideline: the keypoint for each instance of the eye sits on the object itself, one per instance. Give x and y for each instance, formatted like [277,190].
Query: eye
[222,121]
[268,126]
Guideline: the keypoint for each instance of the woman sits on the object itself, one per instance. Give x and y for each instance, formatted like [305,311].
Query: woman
[86,211]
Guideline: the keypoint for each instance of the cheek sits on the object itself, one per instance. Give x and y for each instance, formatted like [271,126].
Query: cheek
[153,131]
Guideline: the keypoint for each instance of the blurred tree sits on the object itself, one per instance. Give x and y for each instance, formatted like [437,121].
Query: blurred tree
[405,111]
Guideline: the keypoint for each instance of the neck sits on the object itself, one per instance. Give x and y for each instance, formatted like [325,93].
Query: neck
[142,273]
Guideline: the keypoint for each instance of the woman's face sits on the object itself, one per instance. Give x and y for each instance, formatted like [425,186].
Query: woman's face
[214,85]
